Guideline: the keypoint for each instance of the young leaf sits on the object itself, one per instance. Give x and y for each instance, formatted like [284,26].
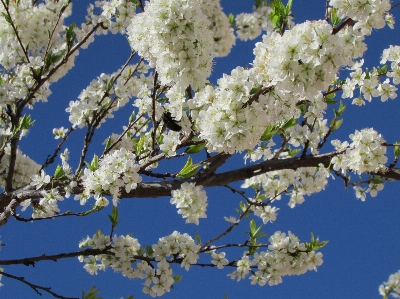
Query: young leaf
[139,145]
[92,294]
[396,150]
[189,169]
[59,172]
[108,143]
[197,238]
[194,149]
[177,278]
[231,19]
[337,124]
[315,244]
[114,216]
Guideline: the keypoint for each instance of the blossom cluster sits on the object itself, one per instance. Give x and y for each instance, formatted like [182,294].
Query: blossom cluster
[17,62]
[286,256]
[123,249]
[222,32]
[191,200]
[103,96]
[115,170]
[364,154]
[177,41]
[114,16]
[35,33]
[391,287]
[250,25]
[46,206]
[302,135]
[373,188]
[170,142]
[296,183]
[369,82]
[305,59]
[25,167]
[122,257]
[392,54]
[369,14]
[224,117]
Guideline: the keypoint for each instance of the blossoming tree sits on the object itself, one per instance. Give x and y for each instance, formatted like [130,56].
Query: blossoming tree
[273,114]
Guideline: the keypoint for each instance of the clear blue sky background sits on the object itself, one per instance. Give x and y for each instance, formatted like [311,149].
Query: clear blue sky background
[364,244]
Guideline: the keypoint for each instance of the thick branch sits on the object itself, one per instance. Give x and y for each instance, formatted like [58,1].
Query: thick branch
[164,188]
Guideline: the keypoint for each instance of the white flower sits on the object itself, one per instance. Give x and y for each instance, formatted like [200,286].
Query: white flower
[219,259]
[59,133]
[41,180]
[191,200]
[231,219]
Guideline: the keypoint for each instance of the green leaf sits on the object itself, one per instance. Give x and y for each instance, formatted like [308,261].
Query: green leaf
[149,250]
[177,278]
[114,216]
[294,152]
[397,150]
[59,173]
[377,180]
[337,124]
[259,3]
[70,35]
[255,89]
[194,149]
[25,123]
[302,109]
[341,109]
[288,7]
[253,226]
[329,98]
[94,164]
[315,244]
[268,133]
[162,100]
[132,117]
[383,69]
[274,19]
[334,17]
[92,294]
[139,145]
[130,297]
[7,17]
[291,122]
[109,142]
[197,238]
[189,169]
[226,296]
[231,19]
[95,209]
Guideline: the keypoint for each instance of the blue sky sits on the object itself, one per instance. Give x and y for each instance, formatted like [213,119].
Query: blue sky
[364,244]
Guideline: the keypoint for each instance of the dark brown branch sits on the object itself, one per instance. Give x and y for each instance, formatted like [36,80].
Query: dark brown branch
[36,287]
[346,22]
[30,261]
[9,201]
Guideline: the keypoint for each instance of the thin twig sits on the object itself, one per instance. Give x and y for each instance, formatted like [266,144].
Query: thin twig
[55,154]
[36,287]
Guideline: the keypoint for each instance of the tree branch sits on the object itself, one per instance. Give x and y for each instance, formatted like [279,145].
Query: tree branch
[9,201]
[35,287]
